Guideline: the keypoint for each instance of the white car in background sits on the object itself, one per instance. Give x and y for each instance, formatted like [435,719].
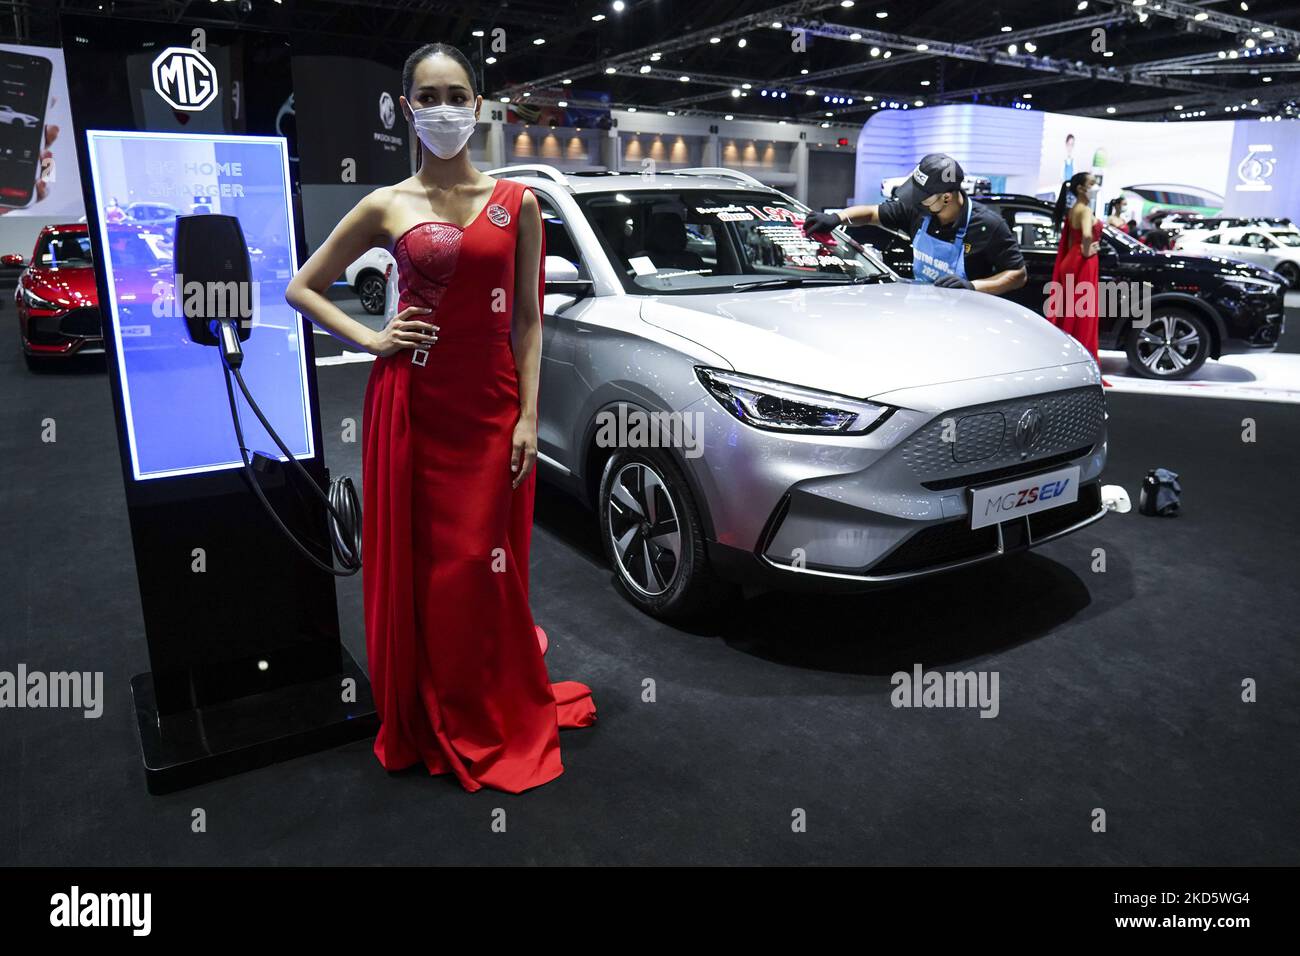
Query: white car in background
[1275,250]
[368,277]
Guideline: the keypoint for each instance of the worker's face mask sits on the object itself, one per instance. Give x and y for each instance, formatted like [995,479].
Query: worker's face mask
[444,129]
[934,203]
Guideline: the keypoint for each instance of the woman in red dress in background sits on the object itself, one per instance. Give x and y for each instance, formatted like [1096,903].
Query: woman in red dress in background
[450,444]
[1073,304]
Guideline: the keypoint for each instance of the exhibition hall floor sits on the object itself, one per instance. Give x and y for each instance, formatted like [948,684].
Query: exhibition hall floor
[1118,690]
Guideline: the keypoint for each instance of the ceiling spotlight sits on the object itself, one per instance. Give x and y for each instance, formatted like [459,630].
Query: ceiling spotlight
[855,36]
[490,60]
[715,39]
[645,68]
[1006,29]
[564,103]
[672,112]
[1083,5]
[742,43]
[1012,49]
[618,6]
[1110,109]
[875,51]
[1031,47]
[925,82]
[598,17]
[881,14]
[1028,96]
[477,33]
[735,92]
[728,117]
[610,69]
[538,41]
[887,54]
[923,47]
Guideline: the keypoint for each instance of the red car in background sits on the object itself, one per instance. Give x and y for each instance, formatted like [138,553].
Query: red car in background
[58,305]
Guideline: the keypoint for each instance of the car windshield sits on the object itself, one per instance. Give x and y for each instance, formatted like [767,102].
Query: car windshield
[1122,238]
[699,240]
[64,251]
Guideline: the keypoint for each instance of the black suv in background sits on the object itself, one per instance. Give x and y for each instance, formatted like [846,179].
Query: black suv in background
[1201,306]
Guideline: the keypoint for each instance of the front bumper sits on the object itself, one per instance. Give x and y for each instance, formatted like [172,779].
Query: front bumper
[894,504]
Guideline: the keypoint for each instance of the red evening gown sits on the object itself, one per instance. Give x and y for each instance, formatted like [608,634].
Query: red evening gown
[454,657]
[1074,310]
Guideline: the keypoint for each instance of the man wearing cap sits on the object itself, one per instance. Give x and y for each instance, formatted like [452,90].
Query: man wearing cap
[956,242]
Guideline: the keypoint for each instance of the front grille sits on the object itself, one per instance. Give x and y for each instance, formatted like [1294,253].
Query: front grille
[84,321]
[985,435]
[939,544]
[1006,474]
[954,541]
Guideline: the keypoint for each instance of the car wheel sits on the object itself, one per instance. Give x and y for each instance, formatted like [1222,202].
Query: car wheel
[1291,273]
[1174,344]
[372,290]
[653,536]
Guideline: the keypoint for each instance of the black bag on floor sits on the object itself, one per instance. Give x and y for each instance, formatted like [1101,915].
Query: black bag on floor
[1161,494]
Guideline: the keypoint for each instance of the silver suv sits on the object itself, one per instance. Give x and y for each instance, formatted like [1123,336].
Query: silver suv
[740,403]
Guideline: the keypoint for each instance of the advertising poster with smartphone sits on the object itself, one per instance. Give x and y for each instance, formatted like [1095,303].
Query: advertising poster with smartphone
[38,160]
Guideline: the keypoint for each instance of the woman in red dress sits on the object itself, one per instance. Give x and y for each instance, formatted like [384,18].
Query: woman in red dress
[1072,305]
[450,443]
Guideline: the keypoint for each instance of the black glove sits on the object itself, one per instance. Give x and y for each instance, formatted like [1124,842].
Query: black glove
[953,282]
[821,222]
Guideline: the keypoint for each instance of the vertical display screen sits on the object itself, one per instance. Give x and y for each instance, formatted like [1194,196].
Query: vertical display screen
[24,90]
[177,410]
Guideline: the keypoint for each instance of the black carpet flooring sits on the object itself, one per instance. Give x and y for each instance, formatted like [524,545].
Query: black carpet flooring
[1118,690]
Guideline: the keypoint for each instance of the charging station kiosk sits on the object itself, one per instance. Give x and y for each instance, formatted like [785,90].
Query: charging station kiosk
[246,663]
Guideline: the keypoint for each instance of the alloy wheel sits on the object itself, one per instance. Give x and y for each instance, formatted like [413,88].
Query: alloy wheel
[644,529]
[372,293]
[1168,345]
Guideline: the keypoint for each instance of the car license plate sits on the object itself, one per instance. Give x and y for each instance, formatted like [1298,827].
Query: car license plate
[1024,496]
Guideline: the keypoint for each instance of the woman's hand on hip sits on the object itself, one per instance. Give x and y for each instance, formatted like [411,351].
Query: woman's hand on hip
[523,453]
[404,332]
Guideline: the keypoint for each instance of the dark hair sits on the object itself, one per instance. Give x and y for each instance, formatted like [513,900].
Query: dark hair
[433,49]
[1070,188]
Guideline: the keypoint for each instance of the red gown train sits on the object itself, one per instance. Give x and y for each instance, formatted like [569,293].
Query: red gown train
[455,663]
[1075,309]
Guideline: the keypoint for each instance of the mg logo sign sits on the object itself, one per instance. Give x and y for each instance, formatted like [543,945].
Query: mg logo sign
[185,79]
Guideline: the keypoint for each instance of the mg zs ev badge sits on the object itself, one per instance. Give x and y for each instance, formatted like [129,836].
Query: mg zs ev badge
[1028,429]
[185,79]
[498,214]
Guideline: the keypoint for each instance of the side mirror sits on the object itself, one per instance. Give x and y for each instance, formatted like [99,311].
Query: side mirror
[562,276]
[13,259]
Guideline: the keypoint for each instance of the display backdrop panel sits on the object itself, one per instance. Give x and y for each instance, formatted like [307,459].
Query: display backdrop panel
[177,410]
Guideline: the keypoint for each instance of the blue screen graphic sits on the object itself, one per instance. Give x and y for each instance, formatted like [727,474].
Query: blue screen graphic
[177,409]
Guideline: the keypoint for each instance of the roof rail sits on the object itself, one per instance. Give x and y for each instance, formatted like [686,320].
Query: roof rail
[536,169]
[720,171]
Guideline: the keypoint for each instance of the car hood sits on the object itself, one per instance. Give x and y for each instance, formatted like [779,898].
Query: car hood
[866,340]
[1212,264]
[70,287]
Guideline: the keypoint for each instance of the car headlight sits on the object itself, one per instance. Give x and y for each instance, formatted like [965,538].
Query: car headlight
[789,408]
[1251,285]
[35,301]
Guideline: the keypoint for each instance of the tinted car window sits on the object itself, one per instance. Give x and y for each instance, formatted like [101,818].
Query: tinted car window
[696,240]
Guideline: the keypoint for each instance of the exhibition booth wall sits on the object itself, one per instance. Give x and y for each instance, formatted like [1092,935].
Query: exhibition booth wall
[1217,167]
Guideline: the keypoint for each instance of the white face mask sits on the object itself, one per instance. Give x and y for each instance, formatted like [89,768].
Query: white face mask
[444,129]
[1092,193]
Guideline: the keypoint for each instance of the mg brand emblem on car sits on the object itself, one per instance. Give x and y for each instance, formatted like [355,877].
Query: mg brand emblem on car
[185,79]
[1029,429]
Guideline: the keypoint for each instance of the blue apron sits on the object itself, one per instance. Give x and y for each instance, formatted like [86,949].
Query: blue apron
[932,258]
